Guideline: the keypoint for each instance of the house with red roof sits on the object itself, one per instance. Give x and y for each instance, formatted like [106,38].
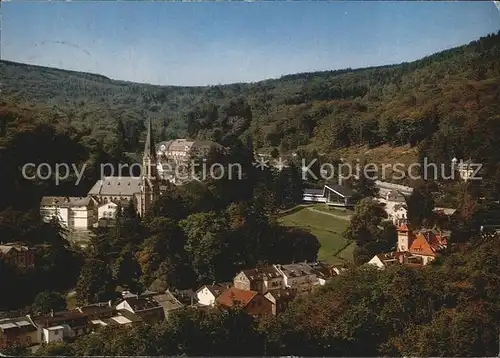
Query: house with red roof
[252,302]
[426,244]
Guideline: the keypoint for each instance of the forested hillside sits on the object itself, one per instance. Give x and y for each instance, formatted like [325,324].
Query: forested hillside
[397,105]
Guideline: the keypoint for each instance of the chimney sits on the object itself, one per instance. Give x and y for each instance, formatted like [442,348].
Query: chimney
[51,313]
[109,303]
[401,259]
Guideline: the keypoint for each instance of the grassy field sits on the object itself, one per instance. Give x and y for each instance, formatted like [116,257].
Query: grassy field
[328,230]
[333,210]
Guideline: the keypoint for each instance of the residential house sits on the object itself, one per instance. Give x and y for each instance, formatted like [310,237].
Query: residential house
[74,213]
[314,196]
[18,254]
[281,299]
[108,210]
[119,318]
[19,330]
[399,214]
[145,307]
[338,195]
[395,258]
[173,157]
[105,314]
[261,279]
[299,276]
[426,244]
[326,272]
[59,325]
[98,310]
[208,293]
[187,297]
[252,302]
[53,334]
[168,302]
[396,192]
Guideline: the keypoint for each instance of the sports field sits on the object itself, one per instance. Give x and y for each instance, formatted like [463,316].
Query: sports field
[327,228]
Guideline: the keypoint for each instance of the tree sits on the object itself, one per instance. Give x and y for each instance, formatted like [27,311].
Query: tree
[95,283]
[364,186]
[420,205]
[162,256]
[368,231]
[126,270]
[207,245]
[289,189]
[47,301]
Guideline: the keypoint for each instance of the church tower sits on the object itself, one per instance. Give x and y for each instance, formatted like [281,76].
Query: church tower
[403,238]
[150,185]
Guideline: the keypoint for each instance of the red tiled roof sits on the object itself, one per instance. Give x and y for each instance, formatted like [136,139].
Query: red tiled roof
[235,296]
[421,246]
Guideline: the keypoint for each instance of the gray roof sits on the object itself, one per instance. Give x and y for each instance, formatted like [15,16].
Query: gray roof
[168,301]
[282,294]
[16,246]
[297,270]
[65,201]
[340,189]
[17,324]
[262,272]
[184,145]
[117,186]
[180,145]
[139,304]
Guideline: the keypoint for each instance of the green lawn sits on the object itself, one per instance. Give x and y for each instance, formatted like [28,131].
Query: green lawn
[333,210]
[327,229]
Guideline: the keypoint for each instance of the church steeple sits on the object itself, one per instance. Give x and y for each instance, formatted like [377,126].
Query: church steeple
[149,157]
[149,145]
[150,185]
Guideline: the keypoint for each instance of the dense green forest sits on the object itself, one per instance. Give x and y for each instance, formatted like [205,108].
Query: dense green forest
[398,104]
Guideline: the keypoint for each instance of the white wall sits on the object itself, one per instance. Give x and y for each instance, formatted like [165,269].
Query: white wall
[205,297]
[314,199]
[81,217]
[53,335]
[273,283]
[71,218]
[376,262]
[104,211]
[124,306]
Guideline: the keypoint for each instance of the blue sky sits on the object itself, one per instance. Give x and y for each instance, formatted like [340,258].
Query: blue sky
[222,42]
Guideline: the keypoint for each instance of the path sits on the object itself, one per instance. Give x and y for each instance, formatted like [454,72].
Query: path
[341,217]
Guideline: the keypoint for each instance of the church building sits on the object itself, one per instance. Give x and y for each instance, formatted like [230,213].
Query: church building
[142,190]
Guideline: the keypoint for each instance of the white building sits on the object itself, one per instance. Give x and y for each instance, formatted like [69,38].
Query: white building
[261,279]
[53,334]
[314,196]
[208,294]
[74,213]
[300,276]
[108,210]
